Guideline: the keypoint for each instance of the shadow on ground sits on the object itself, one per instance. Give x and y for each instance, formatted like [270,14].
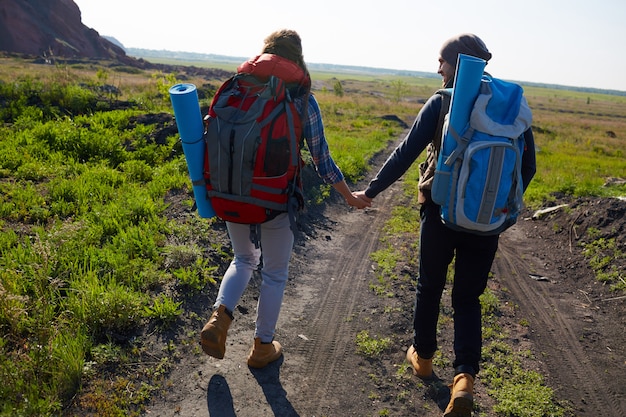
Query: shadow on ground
[220,399]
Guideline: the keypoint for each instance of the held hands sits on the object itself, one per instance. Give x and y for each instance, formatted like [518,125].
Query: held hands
[356,201]
[361,195]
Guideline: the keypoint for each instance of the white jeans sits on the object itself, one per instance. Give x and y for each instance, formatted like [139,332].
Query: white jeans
[276,246]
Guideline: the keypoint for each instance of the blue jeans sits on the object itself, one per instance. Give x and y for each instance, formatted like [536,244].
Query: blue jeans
[276,245]
[438,246]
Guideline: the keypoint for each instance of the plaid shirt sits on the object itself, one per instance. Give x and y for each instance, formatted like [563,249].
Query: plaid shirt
[316,142]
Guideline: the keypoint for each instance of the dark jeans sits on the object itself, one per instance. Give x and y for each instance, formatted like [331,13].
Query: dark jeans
[474,255]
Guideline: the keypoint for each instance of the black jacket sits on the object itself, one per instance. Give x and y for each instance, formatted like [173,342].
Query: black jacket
[421,134]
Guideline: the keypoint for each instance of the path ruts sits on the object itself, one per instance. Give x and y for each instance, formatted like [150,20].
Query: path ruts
[550,315]
[328,331]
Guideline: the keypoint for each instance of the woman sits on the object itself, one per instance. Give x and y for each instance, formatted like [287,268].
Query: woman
[281,50]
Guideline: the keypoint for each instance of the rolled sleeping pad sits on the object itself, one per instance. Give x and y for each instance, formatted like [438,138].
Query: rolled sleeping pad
[186,106]
[467,80]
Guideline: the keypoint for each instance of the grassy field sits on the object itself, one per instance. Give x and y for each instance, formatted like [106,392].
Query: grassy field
[88,254]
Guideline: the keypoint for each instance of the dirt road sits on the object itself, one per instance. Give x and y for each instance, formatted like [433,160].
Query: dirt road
[320,374]
[577,340]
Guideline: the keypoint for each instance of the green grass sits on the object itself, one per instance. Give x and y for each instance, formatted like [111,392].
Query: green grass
[601,253]
[518,392]
[82,235]
[580,140]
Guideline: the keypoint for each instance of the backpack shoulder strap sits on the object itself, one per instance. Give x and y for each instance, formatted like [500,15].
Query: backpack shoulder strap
[446,95]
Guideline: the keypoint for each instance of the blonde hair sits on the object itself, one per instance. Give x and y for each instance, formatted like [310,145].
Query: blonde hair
[285,43]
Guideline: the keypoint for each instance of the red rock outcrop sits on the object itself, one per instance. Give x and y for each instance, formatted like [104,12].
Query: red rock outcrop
[52,29]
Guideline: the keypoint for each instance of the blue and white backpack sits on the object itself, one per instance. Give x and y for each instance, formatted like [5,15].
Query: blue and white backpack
[478,181]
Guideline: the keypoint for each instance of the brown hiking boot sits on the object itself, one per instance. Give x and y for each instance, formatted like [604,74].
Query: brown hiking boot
[461,397]
[213,335]
[264,353]
[422,368]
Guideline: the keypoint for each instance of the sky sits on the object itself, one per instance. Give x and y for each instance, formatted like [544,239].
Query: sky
[578,43]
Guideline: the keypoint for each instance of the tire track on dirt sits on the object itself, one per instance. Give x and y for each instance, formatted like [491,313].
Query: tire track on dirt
[557,338]
[331,331]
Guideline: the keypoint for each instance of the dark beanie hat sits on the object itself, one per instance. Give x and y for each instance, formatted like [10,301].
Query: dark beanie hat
[467,44]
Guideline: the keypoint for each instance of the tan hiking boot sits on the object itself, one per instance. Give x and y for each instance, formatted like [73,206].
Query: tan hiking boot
[461,397]
[422,368]
[264,353]
[213,335]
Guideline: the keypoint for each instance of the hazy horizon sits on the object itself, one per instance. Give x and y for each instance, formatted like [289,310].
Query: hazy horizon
[569,43]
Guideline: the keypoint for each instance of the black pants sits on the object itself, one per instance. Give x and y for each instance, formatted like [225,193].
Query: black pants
[474,255]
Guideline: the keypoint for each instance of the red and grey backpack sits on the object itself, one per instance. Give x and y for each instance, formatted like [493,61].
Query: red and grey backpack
[253,135]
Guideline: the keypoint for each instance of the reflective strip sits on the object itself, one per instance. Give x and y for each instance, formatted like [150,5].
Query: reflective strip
[492,184]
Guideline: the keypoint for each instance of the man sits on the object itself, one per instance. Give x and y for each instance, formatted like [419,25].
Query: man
[439,245]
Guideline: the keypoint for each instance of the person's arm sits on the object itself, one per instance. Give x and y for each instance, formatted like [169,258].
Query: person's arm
[320,153]
[529,159]
[406,153]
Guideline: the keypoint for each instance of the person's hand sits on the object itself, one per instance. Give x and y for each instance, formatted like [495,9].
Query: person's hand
[362,196]
[358,202]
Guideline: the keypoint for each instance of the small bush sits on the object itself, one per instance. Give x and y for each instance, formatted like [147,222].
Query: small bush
[164,310]
[371,346]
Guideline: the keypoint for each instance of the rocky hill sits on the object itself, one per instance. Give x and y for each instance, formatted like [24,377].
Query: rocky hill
[52,29]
